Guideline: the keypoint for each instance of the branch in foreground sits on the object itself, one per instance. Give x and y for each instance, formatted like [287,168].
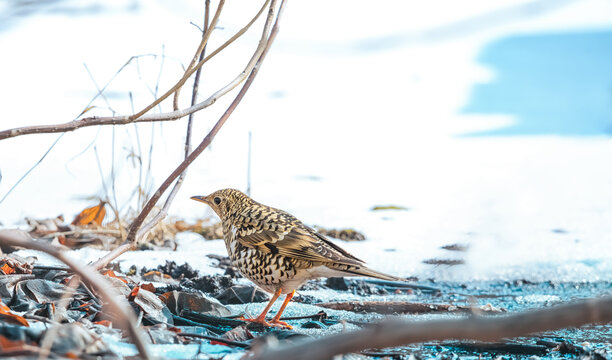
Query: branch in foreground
[134,232]
[398,332]
[126,319]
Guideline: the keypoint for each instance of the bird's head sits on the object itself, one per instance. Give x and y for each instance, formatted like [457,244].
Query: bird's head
[223,202]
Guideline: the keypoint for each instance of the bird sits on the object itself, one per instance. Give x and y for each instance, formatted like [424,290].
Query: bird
[278,252]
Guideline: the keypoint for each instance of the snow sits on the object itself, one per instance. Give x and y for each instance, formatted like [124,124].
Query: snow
[343,117]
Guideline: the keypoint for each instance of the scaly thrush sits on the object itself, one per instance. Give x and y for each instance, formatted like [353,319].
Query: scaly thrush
[276,251]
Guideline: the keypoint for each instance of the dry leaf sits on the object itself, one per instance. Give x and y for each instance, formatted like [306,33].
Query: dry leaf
[91,215]
[111,273]
[7,316]
[7,269]
[106,323]
[149,287]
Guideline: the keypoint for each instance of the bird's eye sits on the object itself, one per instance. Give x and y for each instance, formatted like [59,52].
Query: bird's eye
[217,200]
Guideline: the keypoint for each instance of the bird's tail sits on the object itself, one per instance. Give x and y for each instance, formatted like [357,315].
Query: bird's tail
[365,271]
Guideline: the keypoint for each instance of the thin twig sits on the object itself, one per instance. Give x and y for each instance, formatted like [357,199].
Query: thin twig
[139,117]
[30,169]
[194,95]
[397,332]
[117,304]
[134,233]
[199,55]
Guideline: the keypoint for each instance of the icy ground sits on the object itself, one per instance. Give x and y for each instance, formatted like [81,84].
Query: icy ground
[343,117]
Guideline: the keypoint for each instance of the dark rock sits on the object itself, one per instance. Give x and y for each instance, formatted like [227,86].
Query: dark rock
[242,294]
[314,325]
[197,302]
[226,263]
[211,284]
[312,285]
[232,272]
[337,283]
[184,271]
[305,299]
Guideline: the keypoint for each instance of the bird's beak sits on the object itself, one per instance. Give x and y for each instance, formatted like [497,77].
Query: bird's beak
[203,199]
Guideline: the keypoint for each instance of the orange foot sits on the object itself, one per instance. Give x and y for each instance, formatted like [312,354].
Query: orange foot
[273,323]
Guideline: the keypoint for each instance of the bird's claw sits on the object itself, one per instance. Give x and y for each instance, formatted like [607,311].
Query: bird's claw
[281,324]
[272,323]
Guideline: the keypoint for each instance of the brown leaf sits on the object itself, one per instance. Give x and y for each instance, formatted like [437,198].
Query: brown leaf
[91,215]
[149,287]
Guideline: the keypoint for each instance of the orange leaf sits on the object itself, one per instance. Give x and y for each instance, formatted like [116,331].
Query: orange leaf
[7,316]
[158,273]
[134,292]
[7,269]
[6,343]
[106,323]
[4,308]
[111,273]
[91,215]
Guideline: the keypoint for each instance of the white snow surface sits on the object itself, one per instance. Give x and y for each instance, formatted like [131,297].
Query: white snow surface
[336,130]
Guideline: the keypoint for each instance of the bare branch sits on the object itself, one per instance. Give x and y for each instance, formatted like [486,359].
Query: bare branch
[194,95]
[126,319]
[199,55]
[139,117]
[134,233]
[396,332]
[188,73]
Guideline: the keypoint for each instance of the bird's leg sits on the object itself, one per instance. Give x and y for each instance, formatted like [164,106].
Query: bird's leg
[262,317]
[276,318]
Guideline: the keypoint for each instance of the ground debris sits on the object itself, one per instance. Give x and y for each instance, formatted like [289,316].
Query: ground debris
[497,347]
[180,301]
[449,262]
[226,263]
[456,247]
[242,294]
[388,207]
[208,232]
[13,264]
[403,307]
[341,234]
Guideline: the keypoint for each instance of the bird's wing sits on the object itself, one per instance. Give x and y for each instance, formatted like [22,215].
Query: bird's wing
[299,242]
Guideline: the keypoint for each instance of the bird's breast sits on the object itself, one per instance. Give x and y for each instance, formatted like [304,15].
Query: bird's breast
[260,267]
